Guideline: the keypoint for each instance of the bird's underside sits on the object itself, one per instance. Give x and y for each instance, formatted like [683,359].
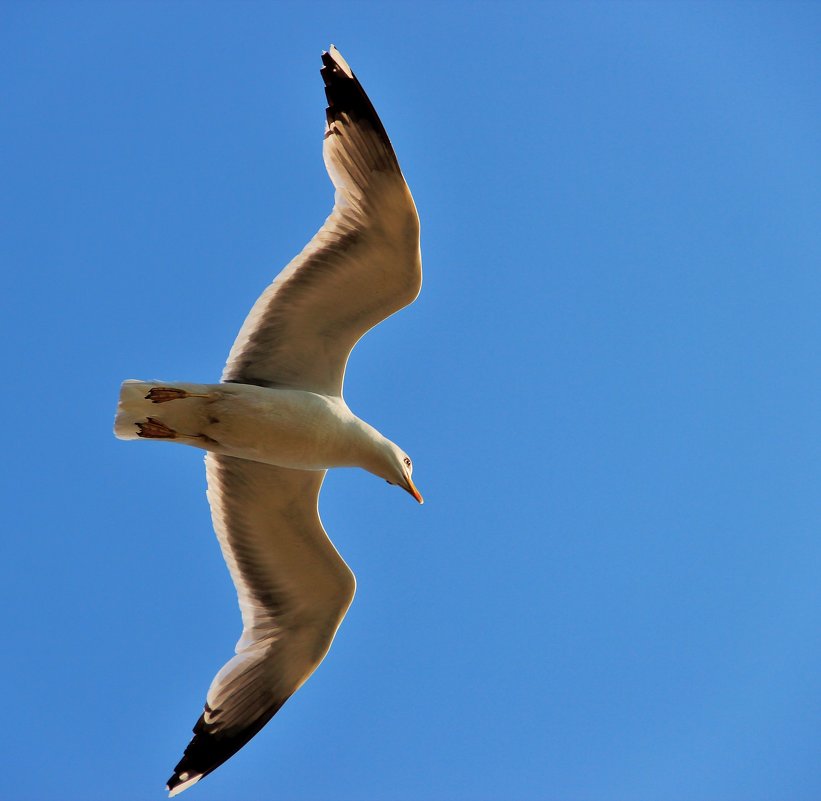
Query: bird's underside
[293,587]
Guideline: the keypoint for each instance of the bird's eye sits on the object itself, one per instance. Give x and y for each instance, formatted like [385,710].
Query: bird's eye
[407,461]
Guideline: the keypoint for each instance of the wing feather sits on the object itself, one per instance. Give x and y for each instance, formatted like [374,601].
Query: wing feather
[293,590]
[361,266]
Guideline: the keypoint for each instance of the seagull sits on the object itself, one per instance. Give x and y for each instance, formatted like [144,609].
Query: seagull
[277,421]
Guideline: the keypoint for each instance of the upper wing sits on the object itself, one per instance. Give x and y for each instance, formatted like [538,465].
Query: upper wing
[293,588]
[362,266]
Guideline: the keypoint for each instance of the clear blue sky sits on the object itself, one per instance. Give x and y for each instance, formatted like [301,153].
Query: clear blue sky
[609,387]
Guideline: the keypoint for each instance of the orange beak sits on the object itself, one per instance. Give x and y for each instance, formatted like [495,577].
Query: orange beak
[413,491]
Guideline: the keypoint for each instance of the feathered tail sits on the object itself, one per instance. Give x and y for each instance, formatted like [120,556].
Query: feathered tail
[158,410]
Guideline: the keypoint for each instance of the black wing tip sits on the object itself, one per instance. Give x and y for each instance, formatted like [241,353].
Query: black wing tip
[174,784]
[345,94]
[207,750]
[332,58]
[337,74]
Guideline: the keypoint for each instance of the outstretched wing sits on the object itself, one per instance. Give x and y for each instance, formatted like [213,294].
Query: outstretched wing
[293,589]
[362,266]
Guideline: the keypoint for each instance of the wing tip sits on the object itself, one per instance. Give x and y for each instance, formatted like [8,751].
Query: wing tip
[332,56]
[346,96]
[207,751]
[181,781]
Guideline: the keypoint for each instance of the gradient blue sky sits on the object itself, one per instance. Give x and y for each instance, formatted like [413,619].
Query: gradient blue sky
[609,386]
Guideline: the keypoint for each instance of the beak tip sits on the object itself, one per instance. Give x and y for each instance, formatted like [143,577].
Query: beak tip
[414,492]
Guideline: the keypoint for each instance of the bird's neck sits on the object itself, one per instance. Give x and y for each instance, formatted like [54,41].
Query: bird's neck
[375,452]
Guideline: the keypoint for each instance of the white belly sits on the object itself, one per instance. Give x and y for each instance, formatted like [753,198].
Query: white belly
[289,428]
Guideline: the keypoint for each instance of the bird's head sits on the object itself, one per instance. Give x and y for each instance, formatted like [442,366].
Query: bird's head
[400,470]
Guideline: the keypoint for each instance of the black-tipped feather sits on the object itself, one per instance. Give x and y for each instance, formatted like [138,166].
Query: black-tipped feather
[346,96]
[207,750]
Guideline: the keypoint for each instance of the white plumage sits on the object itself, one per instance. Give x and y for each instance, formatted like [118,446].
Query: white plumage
[277,421]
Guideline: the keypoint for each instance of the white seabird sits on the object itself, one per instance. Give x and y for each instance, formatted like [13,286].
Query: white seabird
[277,421]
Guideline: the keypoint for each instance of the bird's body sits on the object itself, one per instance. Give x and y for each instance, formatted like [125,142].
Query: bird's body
[278,421]
[284,427]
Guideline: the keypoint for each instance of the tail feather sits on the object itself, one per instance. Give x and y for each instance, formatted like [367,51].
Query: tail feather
[140,417]
[132,408]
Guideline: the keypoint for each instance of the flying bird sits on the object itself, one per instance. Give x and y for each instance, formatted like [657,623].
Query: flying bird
[277,421]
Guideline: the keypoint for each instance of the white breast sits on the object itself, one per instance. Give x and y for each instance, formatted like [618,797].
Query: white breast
[284,427]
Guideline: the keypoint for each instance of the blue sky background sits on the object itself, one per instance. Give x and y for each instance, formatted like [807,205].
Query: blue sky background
[609,386]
